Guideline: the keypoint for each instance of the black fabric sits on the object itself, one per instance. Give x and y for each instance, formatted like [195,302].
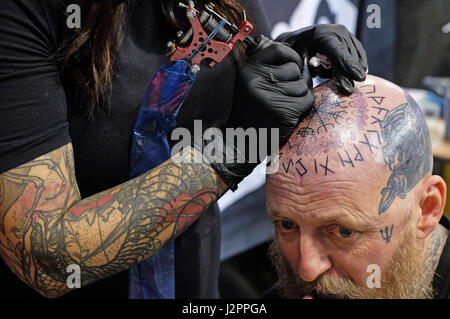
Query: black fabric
[273,292]
[197,254]
[441,280]
[38,114]
[32,99]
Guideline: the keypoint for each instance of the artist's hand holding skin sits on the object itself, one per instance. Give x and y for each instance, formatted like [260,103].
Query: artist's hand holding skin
[270,89]
[270,92]
[344,51]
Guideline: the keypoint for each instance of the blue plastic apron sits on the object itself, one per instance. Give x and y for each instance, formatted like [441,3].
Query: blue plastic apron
[154,278]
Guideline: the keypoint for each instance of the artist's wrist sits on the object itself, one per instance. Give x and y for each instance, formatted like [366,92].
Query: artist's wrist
[229,162]
[194,155]
[233,173]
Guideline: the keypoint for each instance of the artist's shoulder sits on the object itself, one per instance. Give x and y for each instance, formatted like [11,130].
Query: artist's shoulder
[41,21]
[37,8]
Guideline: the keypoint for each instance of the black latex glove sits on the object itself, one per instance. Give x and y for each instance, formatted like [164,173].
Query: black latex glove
[270,92]
[346,53]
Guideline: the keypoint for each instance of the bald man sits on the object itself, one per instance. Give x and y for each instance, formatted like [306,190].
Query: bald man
[356,210]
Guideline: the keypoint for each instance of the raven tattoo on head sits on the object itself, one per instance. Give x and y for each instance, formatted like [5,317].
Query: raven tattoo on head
[407,151]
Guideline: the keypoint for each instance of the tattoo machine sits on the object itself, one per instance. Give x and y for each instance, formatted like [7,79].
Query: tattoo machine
[210,37]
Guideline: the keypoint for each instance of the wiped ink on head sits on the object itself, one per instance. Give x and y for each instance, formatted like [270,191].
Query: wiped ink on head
[322,132]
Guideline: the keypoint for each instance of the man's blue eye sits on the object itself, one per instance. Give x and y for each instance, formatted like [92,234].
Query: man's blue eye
[345,232]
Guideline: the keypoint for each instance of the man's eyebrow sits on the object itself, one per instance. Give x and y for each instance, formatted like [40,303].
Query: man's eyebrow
[362,224]
[276,214]
[273,213]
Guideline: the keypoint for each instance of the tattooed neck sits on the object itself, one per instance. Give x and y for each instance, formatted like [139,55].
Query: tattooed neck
[435,247]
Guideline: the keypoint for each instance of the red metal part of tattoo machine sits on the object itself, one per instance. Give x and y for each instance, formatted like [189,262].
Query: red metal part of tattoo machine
[211,37]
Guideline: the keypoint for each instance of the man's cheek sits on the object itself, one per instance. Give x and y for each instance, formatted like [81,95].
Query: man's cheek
[377,252]
[359,271]
[290,251]
[363,265]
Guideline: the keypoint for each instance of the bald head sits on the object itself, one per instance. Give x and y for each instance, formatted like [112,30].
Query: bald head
[377,134]
[352,189]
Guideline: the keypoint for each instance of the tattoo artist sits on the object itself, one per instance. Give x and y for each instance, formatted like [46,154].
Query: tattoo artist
[69,100]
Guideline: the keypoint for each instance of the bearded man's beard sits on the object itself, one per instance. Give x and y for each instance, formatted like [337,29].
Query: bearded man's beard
[406,276]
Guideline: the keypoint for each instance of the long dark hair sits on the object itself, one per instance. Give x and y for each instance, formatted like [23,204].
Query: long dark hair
[86,58]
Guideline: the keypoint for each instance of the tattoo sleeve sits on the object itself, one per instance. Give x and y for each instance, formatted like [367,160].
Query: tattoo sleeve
[45,226]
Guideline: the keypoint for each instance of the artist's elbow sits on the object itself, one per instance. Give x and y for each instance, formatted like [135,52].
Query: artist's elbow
[51,281]
[50,291]
[47,291]
[50,294]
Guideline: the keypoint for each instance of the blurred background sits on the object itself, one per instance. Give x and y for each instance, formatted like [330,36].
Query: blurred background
[408,43]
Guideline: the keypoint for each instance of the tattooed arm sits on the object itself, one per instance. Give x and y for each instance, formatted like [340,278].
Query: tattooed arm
[45,225]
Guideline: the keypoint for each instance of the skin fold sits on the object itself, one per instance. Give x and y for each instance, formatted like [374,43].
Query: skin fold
[354,188]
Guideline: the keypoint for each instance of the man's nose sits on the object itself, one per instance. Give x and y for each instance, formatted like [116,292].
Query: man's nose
[313,259]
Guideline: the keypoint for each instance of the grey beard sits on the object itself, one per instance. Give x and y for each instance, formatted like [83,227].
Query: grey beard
[406,277]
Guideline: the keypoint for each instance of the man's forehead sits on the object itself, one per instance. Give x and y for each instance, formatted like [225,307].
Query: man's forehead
[350,202]
[338,152]
[348,192]
[343,128]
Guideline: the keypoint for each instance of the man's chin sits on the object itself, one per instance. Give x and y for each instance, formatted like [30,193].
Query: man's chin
[405,277]
[330,287]
[291,286]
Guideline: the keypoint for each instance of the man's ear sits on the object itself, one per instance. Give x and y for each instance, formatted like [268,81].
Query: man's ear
[432,203]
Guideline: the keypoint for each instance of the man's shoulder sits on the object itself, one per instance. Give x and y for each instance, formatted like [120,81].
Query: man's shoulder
[445,221]
[441,281]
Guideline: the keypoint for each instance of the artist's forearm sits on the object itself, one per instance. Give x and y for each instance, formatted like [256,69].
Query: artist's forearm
[108,232]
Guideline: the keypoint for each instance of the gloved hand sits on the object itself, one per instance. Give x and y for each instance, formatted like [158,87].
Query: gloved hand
[270,92]
[347,55]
